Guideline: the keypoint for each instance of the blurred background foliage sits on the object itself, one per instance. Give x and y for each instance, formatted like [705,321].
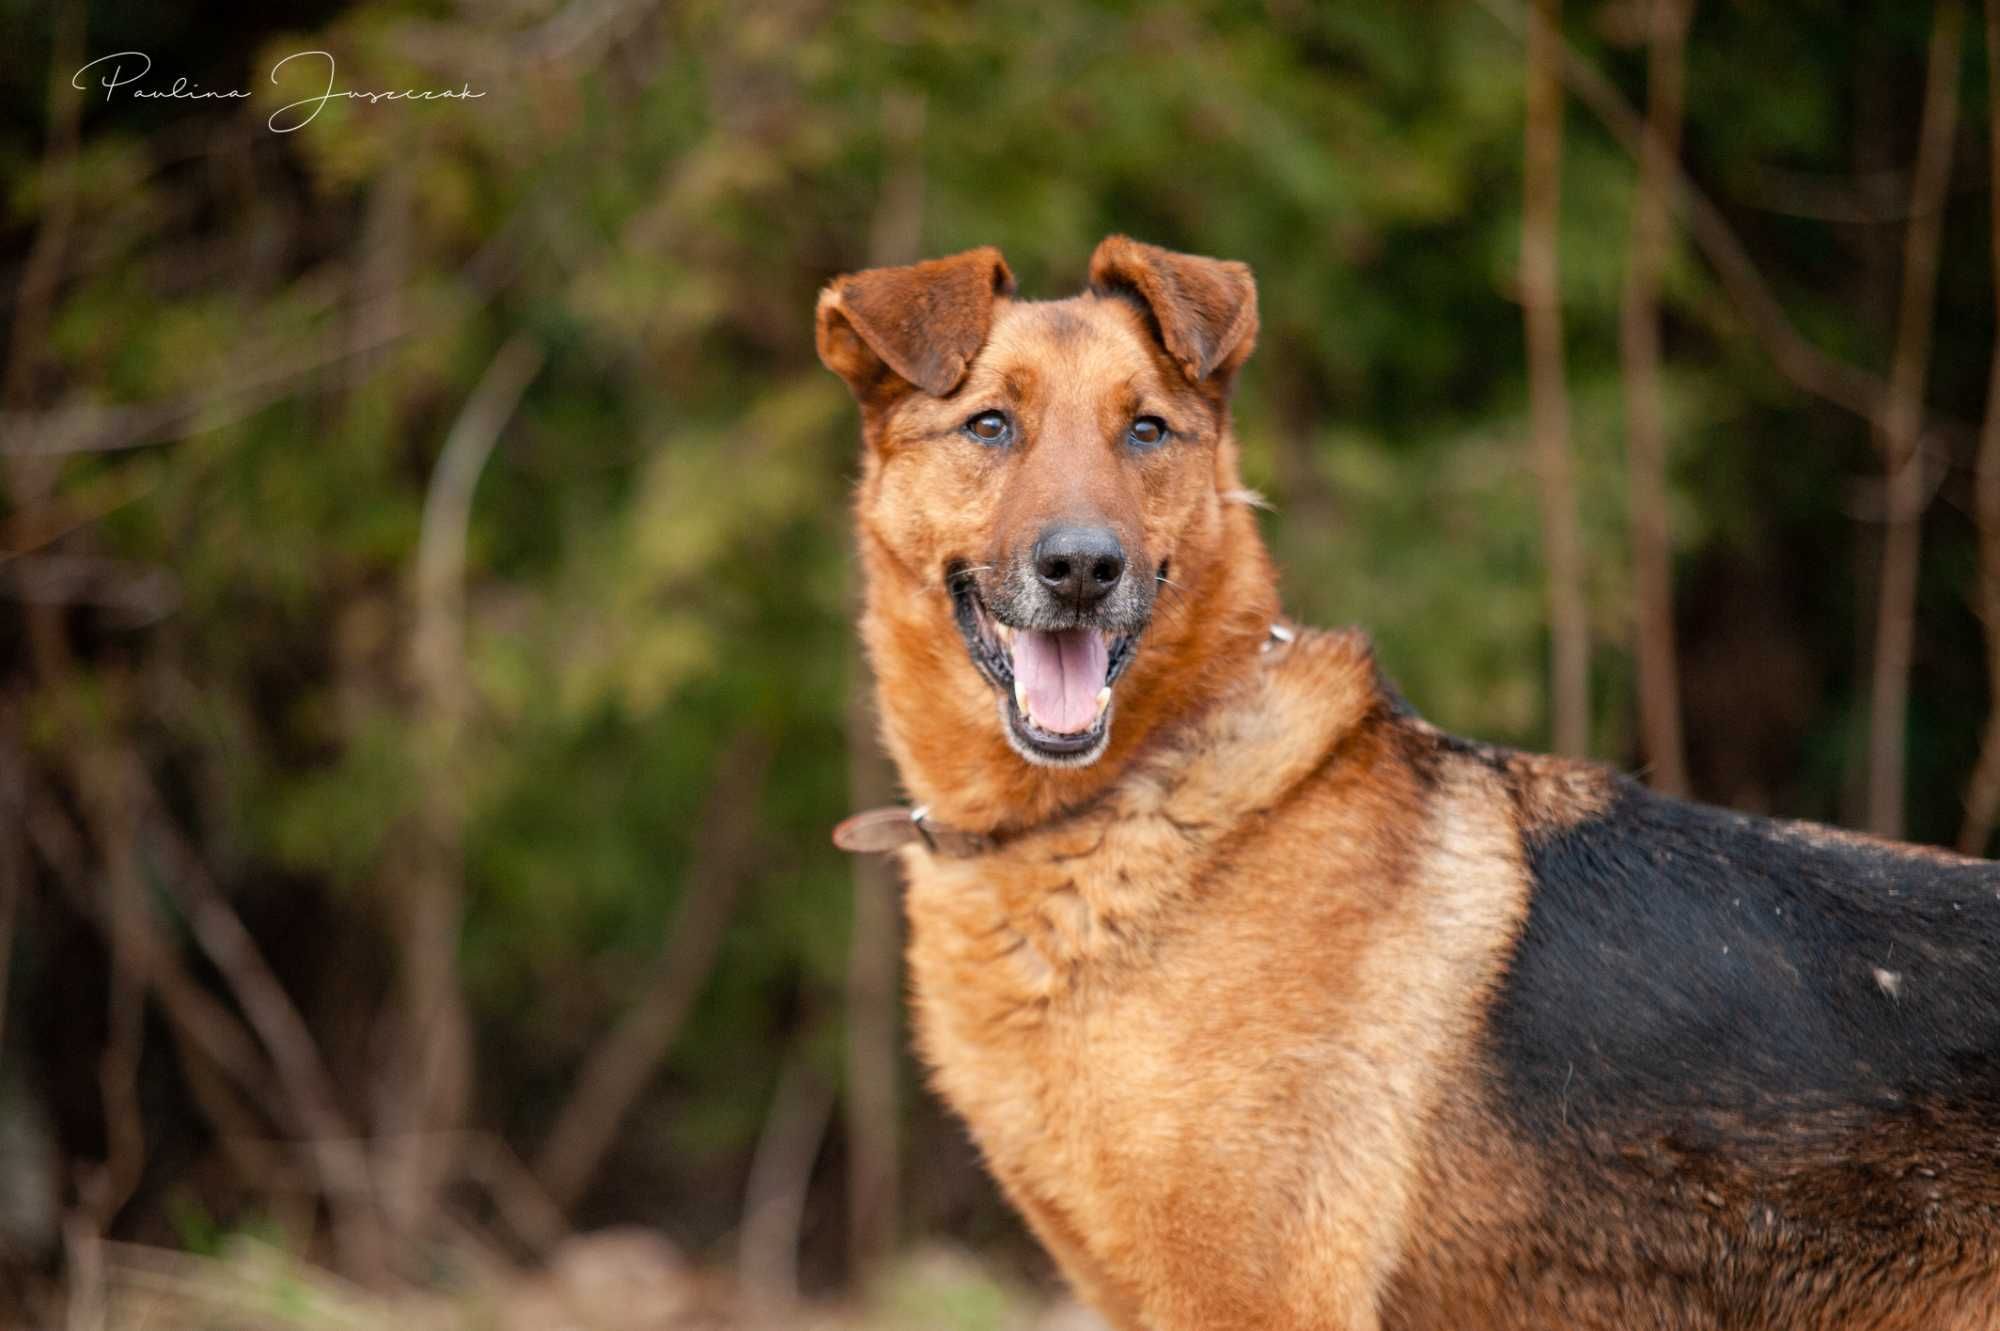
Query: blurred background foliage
[235,357]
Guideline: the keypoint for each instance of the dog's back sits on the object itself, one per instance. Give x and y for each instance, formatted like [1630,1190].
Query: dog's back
[1753,1070]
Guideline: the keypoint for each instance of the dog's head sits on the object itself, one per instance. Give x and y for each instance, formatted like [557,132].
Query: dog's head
[1048,513]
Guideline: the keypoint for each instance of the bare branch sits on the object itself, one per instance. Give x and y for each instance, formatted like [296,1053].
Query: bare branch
[874,1007]
[13,842]
[1548,392]
[294,1053]
[1645,424]
[425,1100]
[1844,385]
[102,1190]
[137,594]
[774,1198]
[438,648]
[1868,198]
[618,1069]
[226,1071]
[517,1194]
[83,1283]
[871,1100]
[1899,431]
[206,1024]
[1982,796]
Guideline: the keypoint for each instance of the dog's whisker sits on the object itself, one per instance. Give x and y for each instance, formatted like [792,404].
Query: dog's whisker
[952,577]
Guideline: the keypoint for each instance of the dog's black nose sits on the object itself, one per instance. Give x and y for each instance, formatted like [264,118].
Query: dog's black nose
[1079,564]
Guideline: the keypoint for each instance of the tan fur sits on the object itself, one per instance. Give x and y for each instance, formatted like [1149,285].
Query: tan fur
[1107,1015]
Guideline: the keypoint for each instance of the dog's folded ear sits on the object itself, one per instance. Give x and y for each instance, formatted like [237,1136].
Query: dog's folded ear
[1204,309]
[922,324]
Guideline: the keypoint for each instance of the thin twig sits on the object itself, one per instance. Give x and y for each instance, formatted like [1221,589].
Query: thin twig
[517,1194]
[1982,796]
[240,1134]
[1899,432]
[1548,391]
[767,1250]
[208,1025]
[103,1189]
[425,1101]
[871,1098]
[27,530]
[294,1053]
[136,594]
[83,1284]
[13,842]
[225,1072]
[1645,423]
[438,646]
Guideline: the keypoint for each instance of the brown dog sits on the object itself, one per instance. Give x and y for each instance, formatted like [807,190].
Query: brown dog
[1272,1006]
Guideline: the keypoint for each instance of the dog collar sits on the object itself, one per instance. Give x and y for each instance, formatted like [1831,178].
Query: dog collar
[878,831]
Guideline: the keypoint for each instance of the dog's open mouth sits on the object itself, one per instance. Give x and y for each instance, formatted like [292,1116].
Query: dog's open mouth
[1055,684]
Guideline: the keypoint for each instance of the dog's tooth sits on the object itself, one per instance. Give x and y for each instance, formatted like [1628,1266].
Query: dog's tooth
[1103,699]
[1021,698]
[1006,635]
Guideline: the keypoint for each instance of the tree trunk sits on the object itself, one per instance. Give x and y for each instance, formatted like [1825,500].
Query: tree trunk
[1982,796]
[1548,394]
[1899,437]
[872,1106]
[1645,426]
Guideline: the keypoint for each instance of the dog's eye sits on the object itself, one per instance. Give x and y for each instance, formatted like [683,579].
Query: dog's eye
[990,427]
[1147,432]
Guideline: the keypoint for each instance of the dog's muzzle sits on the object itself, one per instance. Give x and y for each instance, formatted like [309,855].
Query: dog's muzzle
[1053,640]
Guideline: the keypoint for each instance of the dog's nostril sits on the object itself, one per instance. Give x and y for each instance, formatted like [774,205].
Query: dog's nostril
[1107,571]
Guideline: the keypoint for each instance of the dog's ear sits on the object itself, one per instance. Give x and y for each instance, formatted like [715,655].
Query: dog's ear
[1205,309]
[922,324]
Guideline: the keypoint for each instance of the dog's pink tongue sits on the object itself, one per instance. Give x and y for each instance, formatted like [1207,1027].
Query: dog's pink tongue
[1060,675]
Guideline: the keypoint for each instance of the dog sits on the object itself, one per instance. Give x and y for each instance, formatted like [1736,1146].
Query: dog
[1269,1004]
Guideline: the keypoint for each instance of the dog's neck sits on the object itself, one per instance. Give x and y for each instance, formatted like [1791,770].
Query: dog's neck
[940,720]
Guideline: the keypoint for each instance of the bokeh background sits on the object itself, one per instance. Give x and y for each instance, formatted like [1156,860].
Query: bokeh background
[426,682]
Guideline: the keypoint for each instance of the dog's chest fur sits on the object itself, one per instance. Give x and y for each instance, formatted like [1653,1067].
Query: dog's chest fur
[1118,1007]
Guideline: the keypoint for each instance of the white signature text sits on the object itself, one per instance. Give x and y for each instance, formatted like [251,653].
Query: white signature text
[124,71]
